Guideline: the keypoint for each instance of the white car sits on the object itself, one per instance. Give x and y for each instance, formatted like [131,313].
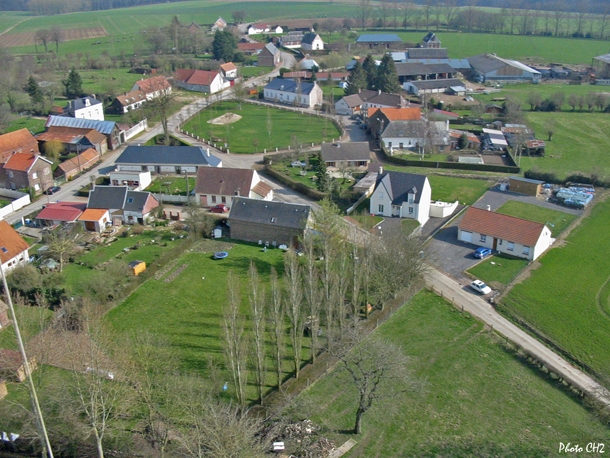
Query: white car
[480,287]
[298,164]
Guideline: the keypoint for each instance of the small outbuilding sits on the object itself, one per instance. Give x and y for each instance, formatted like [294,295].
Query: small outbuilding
[137,267]
[12,367]
[525,186]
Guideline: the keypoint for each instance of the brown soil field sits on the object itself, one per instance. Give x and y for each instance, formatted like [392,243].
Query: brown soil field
[27,38]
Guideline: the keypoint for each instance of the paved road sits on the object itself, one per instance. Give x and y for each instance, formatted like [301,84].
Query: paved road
[473,304]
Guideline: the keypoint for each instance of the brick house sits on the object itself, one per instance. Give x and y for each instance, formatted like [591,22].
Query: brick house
[27,170]
[83,161]
[269,56]
[275,223]
[153,87]
[20,141]
[124,205]
[74,139]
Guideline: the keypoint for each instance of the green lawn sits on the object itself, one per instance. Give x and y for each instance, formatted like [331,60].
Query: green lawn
[366,220]
[567,298]
[35,125]
[500,269]
[260,128]
[172,185]
[558,220]
[251,71]
[187,311]
[478,400]
[449,189]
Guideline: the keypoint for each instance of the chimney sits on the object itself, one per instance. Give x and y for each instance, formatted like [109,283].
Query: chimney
[489,208]
[380,170]
[208,152]
[378,91]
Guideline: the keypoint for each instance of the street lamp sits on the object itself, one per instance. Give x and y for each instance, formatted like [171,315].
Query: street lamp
[44,438]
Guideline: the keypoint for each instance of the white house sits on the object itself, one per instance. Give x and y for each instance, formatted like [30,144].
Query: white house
[505,234]
[414,135]
[293,92]
[135,181]
[153,87]
[405,195]
[13,249]
[200,80]
[165,159]
[312,42]
[365,99]
[85,108]
[221,186]
[254,29]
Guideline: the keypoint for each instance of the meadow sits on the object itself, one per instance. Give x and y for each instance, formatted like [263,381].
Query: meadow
[477,398]
[498,270]
[260,128]
[567,298]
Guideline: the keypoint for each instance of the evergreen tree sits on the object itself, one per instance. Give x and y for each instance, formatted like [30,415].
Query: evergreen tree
[34,91]
[224,45]
[370,70]
[321,175]
[387,76]
[356,80]
[73,84]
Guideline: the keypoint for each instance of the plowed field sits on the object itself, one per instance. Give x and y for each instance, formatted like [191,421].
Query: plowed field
[28,38]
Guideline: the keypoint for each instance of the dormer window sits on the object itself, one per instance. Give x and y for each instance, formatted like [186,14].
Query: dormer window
[273,220]
[130,200]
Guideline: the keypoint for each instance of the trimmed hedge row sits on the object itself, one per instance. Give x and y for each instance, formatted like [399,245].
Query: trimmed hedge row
[453,165]
[549,177]
[300,187]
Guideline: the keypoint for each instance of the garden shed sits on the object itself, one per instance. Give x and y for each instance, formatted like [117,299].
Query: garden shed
[137,267]
[525,186]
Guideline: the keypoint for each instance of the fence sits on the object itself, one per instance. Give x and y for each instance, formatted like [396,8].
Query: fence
[21,200]
[171,199]
[135,130]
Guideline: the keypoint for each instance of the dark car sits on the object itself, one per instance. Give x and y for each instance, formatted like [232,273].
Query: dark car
[482,252]
[52,190]
[220,208]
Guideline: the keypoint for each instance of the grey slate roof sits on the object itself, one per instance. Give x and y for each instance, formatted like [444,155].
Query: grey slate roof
[399,184]
[271,48]
[353,151]
[308,38]
[80,103]
[405,129]
[104,127]
[485,63]
[411,69]
[430,36]
[427,53]
[290,85]
[282,214]
[224,181]
[379,38]
[168,155]
[603,58]
[117,197]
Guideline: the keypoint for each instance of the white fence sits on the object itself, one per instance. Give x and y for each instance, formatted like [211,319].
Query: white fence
[135,130]
[21,200]
[170,199]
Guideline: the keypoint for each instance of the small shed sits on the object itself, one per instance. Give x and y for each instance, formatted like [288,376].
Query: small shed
[3,389]
[12,367]
[525,186]
[137,267]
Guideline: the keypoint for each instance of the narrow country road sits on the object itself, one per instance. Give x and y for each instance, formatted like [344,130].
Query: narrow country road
[476,306]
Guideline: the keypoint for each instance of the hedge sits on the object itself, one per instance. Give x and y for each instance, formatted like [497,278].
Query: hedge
[453,165]
[300,187]
[549,177]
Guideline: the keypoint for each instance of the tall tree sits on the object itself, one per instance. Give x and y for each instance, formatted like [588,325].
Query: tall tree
[57,36]
[224,45]
[162,107]
[61,245]
[73,84]
[294,297]
[364,12]
[34,91]
[387,76]
[257,318]
[238,16]
[356,80]
[370,70]
[43,37]
[313,294]
[276,315]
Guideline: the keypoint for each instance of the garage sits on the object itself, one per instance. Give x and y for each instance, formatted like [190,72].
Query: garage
[465,236]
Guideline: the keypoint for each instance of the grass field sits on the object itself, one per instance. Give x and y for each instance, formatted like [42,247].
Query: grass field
[260,128]
[558,220]
[171,185]
[478,400]
[187,311]
[567,298]
[450,189]
[35,125]
[498,270]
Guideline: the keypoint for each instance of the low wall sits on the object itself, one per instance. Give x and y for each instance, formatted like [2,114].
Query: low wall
[168,198]
[135,130]
[442,209]
[22,199]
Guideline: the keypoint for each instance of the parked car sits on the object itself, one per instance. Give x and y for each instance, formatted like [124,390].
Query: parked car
[480,287]
[482,252]
[220,208]
[298,164]
[52,190]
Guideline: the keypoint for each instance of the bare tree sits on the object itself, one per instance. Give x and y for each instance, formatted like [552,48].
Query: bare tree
[257,310]
[162,106]
[294,298]
[61,245]
[384,10]
[559,15]
[43,37]
[534,99]
[451,11]
[574,100]
[276,315]
[364,12]
[240,93]
[57,36]
[377,369]
[313,294]
[236,346]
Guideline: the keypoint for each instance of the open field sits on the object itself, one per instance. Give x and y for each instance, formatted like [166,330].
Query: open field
[10,40]
[188,310]
[35,125]
[558,220]
[260,128]
[566,298]
[478,400]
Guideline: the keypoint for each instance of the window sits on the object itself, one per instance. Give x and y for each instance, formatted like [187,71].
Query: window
[130,200]
[34,175]
[223,199]
[389,144]
[36,187]
[10,174]
[274,220]
[483,238]
[511,246]
[213,199]
[380,208]
[500,243]
[526,250]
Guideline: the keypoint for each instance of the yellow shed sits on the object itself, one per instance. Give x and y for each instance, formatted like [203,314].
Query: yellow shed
[138,267]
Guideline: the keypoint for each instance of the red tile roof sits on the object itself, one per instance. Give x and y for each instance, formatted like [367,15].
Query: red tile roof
[224,181]
[21,161]
[62,211]
[92,214]
[198,77]
[129,98]
[228,67]
[156,83]
[501,226]
[250,46]
[82,160]
[398,114]
[12,241]
[70,134]
[18,140]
